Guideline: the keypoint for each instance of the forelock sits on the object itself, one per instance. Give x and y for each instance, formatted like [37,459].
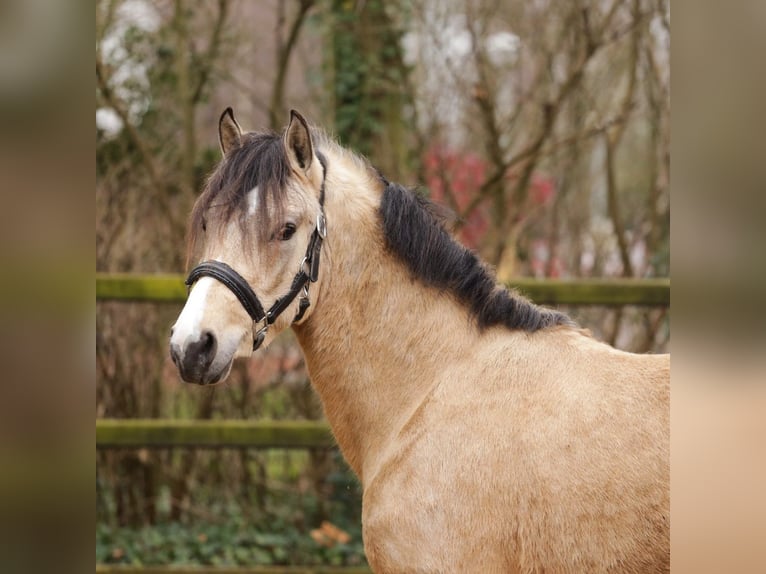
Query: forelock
[259,164]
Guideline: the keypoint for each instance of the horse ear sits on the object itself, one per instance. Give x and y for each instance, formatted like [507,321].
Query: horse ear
[229,132]
[300,150]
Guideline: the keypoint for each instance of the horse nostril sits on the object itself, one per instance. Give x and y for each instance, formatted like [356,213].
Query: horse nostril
[194,358]
[172,330]
[175,353]
[208,343]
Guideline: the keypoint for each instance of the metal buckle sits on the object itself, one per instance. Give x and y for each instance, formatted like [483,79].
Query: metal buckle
[303,304]
[260,334]
[321,225]
[304,266]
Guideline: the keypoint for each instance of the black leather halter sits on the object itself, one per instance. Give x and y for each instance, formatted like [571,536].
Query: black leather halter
[308,273]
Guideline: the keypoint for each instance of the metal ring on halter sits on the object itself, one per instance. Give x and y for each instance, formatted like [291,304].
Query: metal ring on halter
[321,225]
[304,302]
[260,334]
[305,298]
[304,267]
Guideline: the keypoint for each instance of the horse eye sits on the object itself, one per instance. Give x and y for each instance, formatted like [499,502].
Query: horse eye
[287,232]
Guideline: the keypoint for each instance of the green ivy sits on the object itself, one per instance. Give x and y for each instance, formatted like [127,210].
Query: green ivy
[233,542]
[367,72]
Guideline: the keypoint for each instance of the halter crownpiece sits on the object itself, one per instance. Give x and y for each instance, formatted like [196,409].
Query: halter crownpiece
[308,273]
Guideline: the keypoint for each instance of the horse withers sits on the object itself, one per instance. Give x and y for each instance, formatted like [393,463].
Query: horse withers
[489,435]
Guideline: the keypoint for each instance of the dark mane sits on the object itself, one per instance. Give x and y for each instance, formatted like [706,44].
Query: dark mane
[260,161]
[417,237]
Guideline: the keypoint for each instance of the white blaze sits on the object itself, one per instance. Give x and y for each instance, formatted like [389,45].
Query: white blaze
[252,200]
[187,326]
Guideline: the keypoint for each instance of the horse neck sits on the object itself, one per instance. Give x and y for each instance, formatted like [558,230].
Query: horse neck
[376,339]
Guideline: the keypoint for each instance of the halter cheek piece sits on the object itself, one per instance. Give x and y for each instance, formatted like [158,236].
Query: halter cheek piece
[307,273]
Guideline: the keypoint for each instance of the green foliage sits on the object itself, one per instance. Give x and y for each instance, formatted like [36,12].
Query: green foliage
[234,542]
[368,75]
[233,532]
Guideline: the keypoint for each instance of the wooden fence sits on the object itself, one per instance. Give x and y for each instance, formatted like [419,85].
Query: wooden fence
[610,292]
[165,433]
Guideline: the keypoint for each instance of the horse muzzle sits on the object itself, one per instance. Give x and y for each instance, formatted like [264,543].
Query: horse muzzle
[196,359]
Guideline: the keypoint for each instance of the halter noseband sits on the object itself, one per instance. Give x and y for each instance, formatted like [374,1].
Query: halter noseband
[308,273]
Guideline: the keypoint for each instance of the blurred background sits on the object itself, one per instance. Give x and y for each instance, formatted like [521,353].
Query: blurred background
[544,126]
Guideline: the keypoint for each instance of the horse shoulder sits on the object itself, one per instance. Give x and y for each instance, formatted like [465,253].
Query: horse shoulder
[536,442]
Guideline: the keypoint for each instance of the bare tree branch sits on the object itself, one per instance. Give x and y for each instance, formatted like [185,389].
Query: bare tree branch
[283,60]
[662,10]
[612,141]
[104,18]
[208,61]
[113,102]
[613,208]
[606,22]
[183,73]
[550,111]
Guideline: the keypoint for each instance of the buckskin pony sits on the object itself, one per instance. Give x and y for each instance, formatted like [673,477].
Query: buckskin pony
[489,434]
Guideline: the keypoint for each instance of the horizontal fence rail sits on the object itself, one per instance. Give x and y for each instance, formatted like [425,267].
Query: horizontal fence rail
[118,569]
[162,433]
[609,292]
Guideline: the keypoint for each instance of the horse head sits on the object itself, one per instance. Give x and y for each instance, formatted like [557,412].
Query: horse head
[257,232]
